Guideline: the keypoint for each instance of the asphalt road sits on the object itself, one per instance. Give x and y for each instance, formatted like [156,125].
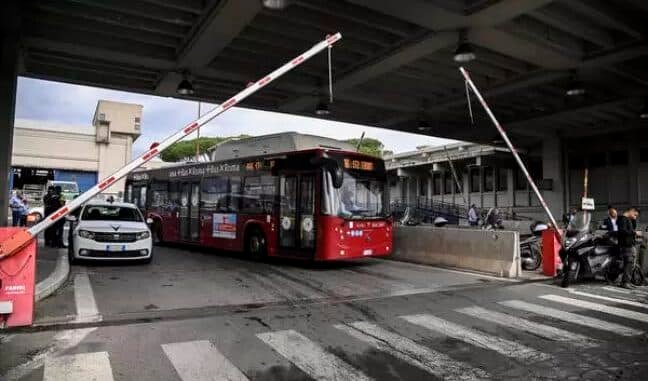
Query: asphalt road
[205,316]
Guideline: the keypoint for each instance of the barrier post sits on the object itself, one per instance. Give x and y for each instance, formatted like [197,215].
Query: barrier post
[17,284]
[550,248]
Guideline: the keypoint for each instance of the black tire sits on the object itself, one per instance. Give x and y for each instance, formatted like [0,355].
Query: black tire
[570,275]
[536,258]
[156,232]
[255,243]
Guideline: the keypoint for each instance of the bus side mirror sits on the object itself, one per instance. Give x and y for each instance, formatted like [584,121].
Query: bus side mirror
[337,175]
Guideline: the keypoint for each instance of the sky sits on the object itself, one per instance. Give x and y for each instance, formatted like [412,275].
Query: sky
[75,104]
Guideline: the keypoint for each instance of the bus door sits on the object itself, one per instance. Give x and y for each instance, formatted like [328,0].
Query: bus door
[297,213]
[189,211]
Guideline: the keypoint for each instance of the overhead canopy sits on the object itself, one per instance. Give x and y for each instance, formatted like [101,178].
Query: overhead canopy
[394,68]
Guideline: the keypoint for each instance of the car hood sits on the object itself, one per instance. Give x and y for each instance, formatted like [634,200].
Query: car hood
[113,226]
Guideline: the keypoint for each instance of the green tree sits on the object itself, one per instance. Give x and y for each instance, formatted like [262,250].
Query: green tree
[370,146]
[187,148]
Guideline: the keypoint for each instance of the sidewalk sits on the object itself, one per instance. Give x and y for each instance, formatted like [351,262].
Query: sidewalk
[46,259]
[52,269]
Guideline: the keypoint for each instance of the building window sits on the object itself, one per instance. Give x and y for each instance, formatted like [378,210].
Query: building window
[618,158]
[502,179]
[137,119]
[475,180]
[102,116]
[436,184]
[488,179]
[447,182]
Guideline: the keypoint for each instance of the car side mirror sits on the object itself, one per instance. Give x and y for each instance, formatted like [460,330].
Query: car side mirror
[70,218]
[149,221]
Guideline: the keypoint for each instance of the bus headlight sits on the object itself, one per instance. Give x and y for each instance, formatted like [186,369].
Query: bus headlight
[143,235]
[86,234]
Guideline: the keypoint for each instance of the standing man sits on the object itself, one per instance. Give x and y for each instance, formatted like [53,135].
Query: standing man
[610,222]
[60,224]
[17,207]
[626,237]
[472,216]
[50,203]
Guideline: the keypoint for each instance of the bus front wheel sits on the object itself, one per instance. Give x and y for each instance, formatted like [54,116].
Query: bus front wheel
[255,243]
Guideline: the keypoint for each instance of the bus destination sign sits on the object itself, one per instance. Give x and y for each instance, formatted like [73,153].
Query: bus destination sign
[359,165]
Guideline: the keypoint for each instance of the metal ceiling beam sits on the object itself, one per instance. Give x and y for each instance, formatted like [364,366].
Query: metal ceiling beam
[193,6]
[419,12]
[216,31]
[521,49]
[504,10]
[384,65]
[568,22]
[609,15]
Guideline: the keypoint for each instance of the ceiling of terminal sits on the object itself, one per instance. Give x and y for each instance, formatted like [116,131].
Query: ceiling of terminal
[394,67]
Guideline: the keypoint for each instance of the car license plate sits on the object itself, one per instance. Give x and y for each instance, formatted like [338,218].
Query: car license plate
[115,247]
[367,252]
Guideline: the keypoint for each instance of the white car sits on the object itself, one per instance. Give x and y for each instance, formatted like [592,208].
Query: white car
[110,231]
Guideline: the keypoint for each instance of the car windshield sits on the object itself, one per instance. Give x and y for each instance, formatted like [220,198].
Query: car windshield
[358,197]
[111,213]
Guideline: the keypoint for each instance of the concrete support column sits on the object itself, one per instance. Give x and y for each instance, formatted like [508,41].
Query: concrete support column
[510,187]
[552,168]
[633,171]
[9,49]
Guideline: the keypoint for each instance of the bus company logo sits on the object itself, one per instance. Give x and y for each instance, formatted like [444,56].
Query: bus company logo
[211,169]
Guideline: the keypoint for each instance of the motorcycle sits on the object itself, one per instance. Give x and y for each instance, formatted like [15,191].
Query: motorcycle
[531,248]
[587,255]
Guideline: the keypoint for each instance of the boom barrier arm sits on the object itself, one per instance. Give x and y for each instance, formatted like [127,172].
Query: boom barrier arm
[19,240]
[513,152]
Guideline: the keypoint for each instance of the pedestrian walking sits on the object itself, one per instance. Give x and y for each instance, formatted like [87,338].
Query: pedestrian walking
[473,220]
[60,224]
[17,206]
[626,241]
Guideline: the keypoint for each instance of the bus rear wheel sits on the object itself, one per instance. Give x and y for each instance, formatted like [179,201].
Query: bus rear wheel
[156,232]
[255,243]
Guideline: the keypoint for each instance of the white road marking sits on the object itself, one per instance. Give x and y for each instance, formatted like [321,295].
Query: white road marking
[310,357]
[505,347]
[595,296]
[634,292]
[440,365]
[628,314]
[61,342]
[542,330]
[201,361]
[86,306]
[79,367]
[572,317]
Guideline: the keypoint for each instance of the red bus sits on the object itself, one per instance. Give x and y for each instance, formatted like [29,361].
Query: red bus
[318,204]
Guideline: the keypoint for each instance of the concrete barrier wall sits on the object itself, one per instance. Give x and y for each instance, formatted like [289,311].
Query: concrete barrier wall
[494,252]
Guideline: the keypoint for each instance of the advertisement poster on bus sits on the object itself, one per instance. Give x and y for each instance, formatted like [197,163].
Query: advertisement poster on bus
[224,225]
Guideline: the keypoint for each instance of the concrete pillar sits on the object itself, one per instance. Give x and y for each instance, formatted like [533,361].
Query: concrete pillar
[9,49]
[552,168]
[510,187]
[633,170]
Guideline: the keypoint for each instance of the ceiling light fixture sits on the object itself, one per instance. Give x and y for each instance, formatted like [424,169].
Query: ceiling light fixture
[644,111]
[275,4]
[575,87]
[322,109]
[464,52]
[185,87]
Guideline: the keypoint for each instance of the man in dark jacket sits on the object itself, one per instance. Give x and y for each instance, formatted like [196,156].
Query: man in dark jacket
[626,238]
[610,222]
[50,205]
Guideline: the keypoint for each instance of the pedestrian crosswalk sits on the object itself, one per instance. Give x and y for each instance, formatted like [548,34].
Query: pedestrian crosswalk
[525,331]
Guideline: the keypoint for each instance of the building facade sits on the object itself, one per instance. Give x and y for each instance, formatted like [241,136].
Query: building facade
[44,150]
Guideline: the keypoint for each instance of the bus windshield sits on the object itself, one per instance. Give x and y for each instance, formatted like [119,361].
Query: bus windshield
[360,196]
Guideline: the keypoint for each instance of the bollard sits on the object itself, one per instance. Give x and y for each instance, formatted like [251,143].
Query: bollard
[17,279]
[550,248]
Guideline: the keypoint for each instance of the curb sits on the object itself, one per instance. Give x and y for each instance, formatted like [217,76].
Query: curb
[49,285]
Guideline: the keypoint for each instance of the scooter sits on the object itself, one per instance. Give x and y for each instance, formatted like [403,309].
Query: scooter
[531,248]
[587,255]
